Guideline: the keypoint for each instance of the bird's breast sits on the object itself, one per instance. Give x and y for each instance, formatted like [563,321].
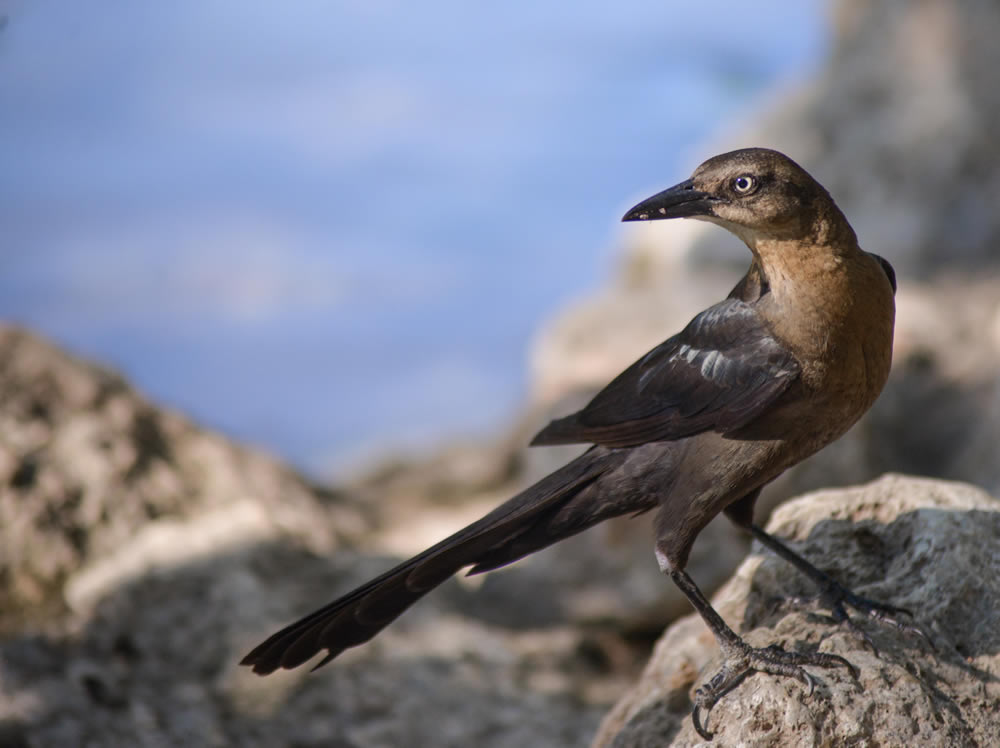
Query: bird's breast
[838,322]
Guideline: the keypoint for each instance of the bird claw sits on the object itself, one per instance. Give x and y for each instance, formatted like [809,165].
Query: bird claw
[837,597]
[696,719]
[809,680]
[742,660]
[860,633]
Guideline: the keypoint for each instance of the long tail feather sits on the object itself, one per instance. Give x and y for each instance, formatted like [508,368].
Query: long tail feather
[489,542]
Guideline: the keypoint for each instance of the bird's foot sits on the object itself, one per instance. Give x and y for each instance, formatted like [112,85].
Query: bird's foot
[839,598]
[742,660]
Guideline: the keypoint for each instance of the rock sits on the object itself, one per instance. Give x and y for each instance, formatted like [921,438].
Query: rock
[142,556]
[930,546]
[157,665]
[98,486]
[977,460]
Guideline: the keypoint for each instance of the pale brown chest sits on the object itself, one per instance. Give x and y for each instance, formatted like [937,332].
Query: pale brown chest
[838,320]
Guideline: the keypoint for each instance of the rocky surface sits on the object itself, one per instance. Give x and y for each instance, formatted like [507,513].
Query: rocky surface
[929,546]
[129,634]
[142,556]
[98,486]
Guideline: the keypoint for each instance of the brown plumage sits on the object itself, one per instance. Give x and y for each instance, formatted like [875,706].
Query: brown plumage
[756,383]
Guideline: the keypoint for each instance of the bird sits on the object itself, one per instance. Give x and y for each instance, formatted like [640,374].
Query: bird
[796,353]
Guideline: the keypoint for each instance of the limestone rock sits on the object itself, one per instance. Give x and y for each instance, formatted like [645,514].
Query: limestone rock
[98,486]
[929,546]
[142,556]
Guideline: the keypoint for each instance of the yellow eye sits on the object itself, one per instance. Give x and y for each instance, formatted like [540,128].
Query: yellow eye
[744,184]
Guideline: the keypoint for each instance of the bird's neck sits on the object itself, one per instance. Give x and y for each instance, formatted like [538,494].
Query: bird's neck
[793,268]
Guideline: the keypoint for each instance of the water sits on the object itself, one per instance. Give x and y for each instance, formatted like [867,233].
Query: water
[329,227]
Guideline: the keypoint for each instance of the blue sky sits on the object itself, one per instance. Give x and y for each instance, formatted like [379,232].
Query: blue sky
[329,227]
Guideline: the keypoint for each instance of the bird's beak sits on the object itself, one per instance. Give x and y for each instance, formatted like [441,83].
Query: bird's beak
[679,201]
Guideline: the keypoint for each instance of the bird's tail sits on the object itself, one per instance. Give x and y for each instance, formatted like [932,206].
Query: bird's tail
[550,510]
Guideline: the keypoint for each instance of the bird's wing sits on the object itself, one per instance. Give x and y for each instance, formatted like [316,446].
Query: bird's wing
[719,373]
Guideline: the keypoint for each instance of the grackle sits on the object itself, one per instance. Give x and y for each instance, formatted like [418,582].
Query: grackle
[796,353]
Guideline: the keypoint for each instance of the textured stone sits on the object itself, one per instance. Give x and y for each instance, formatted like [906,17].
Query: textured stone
[929,546]
[142,556]
[98,486]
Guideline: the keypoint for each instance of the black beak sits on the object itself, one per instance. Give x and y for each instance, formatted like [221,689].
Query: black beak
[679,201]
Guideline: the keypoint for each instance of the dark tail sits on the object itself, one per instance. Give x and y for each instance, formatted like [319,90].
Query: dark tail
[530,521]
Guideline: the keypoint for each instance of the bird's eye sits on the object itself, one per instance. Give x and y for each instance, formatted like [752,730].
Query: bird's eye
[744,184]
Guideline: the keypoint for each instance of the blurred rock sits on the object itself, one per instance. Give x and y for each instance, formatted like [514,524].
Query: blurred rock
[900,126]
[156,665]
[929,546]
[98,486]
[142,556]
[978,459]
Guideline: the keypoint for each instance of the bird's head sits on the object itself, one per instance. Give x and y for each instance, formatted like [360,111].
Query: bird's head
[756,193]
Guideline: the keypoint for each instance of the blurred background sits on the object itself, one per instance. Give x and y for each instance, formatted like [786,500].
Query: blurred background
[329,228]
[338,230]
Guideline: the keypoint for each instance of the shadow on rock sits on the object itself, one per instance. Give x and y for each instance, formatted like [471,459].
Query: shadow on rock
[156,663]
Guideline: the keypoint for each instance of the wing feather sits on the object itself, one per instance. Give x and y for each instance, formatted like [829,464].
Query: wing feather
[718,374]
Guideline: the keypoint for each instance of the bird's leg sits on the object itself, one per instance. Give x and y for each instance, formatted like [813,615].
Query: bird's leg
[839,598]
[740,659]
